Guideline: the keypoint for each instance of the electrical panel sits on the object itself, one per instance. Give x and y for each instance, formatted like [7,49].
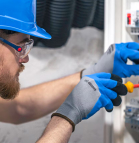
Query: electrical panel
[122,25]
[132,100]
[132,18]
[132,118]
[132,114]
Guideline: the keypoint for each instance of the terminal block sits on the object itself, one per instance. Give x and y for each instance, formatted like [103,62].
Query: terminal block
[132,20]
[132,114]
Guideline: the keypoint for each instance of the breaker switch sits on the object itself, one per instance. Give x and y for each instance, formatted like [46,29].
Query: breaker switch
[128,18]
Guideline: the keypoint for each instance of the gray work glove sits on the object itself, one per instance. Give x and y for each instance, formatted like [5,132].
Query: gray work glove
[115,59]
[92,93]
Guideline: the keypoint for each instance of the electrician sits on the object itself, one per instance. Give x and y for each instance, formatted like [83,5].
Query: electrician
[77,97]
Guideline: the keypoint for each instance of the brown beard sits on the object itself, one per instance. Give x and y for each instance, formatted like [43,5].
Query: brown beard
[21,68]
[9,85]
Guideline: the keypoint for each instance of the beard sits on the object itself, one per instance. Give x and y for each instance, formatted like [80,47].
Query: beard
[9,85]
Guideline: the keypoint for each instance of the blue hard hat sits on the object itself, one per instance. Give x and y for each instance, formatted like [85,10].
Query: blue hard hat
[20,16]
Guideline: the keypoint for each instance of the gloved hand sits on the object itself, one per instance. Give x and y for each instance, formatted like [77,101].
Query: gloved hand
[92,93]
[115,59]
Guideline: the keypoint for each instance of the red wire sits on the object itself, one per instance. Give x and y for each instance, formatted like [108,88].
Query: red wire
[136,85]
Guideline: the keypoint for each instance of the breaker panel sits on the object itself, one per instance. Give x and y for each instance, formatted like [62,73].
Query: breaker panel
[132,114]
[132,118]
[132,18]
[132,100]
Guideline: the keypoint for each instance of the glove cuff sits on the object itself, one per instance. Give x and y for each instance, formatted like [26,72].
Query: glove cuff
[66,118]
[88,71]
[81,73]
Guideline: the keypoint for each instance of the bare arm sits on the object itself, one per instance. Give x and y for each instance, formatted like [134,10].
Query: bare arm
[58,131]
[37,101]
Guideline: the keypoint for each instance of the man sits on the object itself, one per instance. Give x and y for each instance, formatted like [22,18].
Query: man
[80,99]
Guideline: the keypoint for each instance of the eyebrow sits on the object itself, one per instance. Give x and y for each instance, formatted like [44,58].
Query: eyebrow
[24,41]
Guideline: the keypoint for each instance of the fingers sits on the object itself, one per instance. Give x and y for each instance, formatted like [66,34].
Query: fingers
[117,101]
[101,75]
[108,83]
[136,61]
[131,54]
[110,94]
[109,110]
[113,96]
[132,45]
[113,102]
[109,106]
[133,69]
[117,78]
[110,91]
[107,76]
[113,93]
[120,89]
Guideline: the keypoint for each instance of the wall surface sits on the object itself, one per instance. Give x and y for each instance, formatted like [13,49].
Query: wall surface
[84,48]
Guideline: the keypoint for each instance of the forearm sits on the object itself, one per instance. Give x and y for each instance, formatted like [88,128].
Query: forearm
[38,101]
[58,131]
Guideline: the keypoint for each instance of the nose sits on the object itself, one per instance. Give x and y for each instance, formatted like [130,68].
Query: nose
[24,60]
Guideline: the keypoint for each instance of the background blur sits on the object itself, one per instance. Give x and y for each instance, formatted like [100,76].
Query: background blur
[83,49]
[76,27]
[58,17]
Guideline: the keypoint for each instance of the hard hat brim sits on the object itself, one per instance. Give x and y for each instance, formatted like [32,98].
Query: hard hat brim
[36,31]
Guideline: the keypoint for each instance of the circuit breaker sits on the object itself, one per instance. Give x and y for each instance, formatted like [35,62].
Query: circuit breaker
[132,18]
[132,114]
[132,118]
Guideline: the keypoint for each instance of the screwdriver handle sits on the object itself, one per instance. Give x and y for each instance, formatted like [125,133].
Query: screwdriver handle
[130,86]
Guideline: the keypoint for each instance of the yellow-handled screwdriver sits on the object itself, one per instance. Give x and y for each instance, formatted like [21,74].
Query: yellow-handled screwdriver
[130,86]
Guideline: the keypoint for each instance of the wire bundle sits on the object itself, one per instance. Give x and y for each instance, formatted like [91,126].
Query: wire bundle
[84,12]
[57,17]
[58,21]
[98,20]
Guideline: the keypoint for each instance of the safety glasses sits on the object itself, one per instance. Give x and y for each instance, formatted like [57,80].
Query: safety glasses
[20,51]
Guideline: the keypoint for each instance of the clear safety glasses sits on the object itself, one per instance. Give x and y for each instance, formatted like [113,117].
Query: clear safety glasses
[21,51]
